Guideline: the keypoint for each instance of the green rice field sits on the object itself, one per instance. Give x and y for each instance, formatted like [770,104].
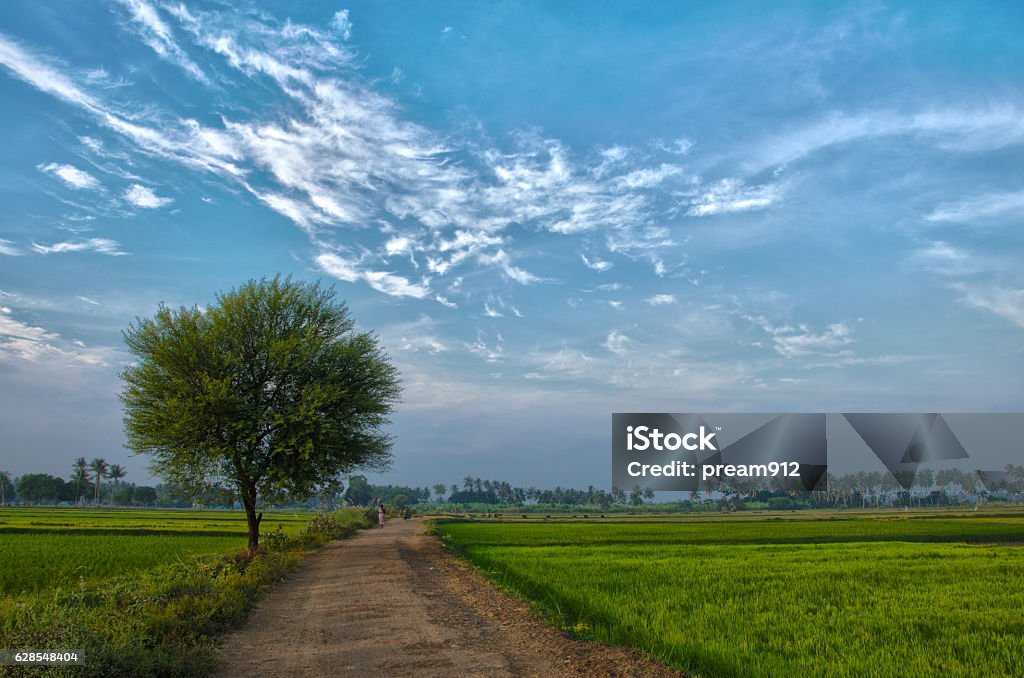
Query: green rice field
[871,594]
[46,549]
[141,592]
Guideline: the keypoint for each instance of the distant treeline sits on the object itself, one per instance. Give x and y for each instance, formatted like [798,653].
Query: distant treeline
[855,490]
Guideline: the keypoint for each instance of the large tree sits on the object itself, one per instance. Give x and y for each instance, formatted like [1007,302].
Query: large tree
[37,488]
[270,389]
[144,495]
[359,492]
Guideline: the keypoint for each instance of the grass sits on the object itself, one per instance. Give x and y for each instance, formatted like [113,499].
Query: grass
[49,549]
[1007,527]
[33,562]
[216,523]
[142,593]
[854,597]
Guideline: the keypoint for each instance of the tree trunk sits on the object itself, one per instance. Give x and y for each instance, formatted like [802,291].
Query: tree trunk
[252,519]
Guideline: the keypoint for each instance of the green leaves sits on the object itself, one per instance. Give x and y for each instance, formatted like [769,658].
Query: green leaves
[271,388]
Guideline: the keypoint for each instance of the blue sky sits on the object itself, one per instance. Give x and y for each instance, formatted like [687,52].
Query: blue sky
[549,212]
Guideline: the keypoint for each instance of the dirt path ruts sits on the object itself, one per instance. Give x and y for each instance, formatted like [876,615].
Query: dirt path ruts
[394,602]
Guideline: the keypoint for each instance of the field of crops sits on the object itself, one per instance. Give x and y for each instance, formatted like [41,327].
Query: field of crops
[877,594]
[60,548]
[142,592]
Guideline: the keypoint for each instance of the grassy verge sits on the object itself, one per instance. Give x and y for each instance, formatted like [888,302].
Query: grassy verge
[162,621]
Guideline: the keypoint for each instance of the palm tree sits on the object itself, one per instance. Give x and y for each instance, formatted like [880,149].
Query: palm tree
[1014,478]
[944,480]
[960,480]
[520,495]
[80,476]
[115,473]
[889,486]
[5,480]
[924,479]
[974,480]
[99,466]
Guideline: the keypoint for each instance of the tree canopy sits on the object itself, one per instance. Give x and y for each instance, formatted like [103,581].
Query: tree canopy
[270,389]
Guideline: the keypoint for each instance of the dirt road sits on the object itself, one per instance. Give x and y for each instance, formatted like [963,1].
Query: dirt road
[393,602]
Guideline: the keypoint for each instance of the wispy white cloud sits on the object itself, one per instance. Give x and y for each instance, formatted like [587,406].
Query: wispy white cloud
[8,248]
[503,261]
[415,336]
[396,285]
[301,213]
[181,141]
[649,244]
[398,245]
[427,343]
[1005,302]
[36,72]
[115,305]
[72,176]
[497,307]
[565,362]
[617,343]
[611,287]
[158,36]
[982,208]
[144,197]
[799,341]
[98,245]
[491,353]
[93,144]
[943,258]
[968,129]
[383,281]
[680,146]
[541,183]
[344,156]
[596,263]
[339,267]
[648,177]
[614,154]
[24,343]
[732,195]
[661,299]
[843,359]
[342,24]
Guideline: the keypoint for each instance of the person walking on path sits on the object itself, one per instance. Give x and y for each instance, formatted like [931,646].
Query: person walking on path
[380,515]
